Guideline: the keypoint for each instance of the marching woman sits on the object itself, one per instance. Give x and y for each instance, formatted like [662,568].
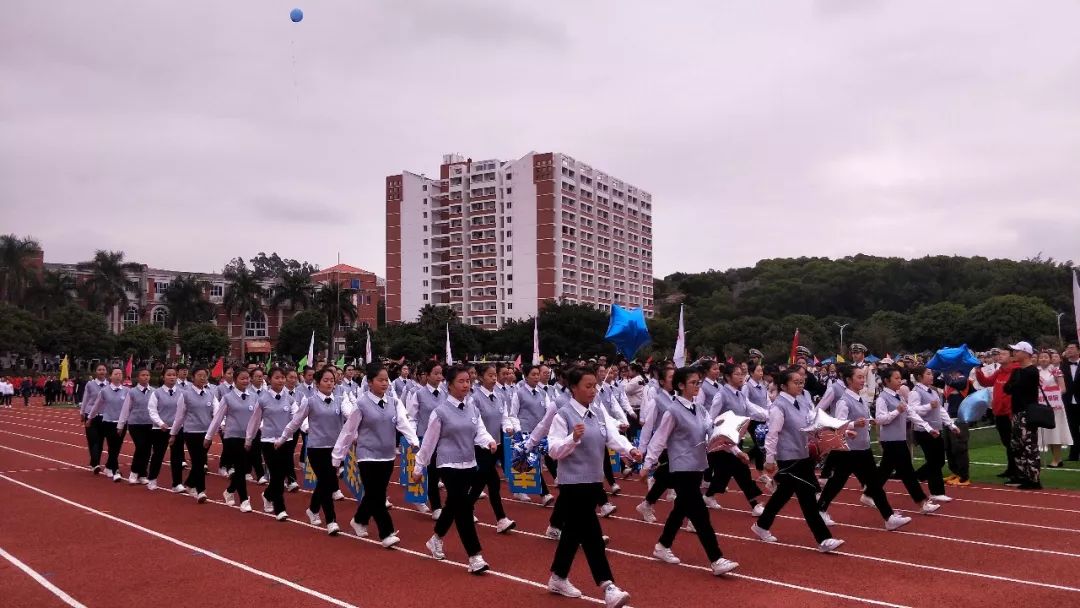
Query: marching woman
[787,460]
[732,397]
[892,414]
[757,392]
[195,409]
[257,388]
[109,403]
[926,402]
[135,417]
[94,437]
[580,437]
[683,431]
[325,415]
[273,411]
[373,427]
[608,400]
[292,389]
[422,402]
[453,431]
[651,413]
[404,384]
[162,409]
[235,411]
[858,459]
[528,406]
[225,386]
[496,421]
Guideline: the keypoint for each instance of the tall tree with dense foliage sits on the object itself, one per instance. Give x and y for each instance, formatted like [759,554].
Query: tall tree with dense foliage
[16,268]
[295,334]
[243,297]
[144,342]
[77,332]
[52,290]
[186,301]
[108,283]
[204,342]
[18,330]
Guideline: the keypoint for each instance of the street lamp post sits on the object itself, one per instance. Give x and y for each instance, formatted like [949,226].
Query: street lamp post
[1061,339]
[841,353]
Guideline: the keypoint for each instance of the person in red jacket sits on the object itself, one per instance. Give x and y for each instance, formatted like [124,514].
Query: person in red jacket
[1002,405]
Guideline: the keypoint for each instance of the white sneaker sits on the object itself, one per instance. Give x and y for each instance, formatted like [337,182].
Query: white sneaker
[723,566]
[546,499]
[670,496]
[359,528]
[435,514]
[313,517]
[477,565]
[711,503]
[689,527]
[338,495]
[389,505]
[941,498]
[649,482]
[606,539]
[828,520]
[109,473]
[442,486]
[896,521]
[293,486]
[223,471]
[229,500]
[483,494]
[116,477]
[829,545]
[929,507]
[151,485]
[268,506]
[200,498]
[866,500]
[144,481]
[647,512]
[434,544]
[332,528]
[505,525]
[475,519]
[607,509]
[615,489]
[390,541]
[264,480]
[563,587]
[423,509]
[763,534]
[249,477]
[186,465]
[664,554]
[98,469]
[245,507]
[553,533]
[615,597]
[282,516]
[757,510]
[522,497]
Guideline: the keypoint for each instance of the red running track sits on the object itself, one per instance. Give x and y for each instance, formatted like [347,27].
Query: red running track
[964,558]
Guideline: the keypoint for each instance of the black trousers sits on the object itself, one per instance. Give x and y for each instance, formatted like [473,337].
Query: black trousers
[237,453]
[690,504]
[225,460]
[861,464]
[1072,415]
[552,467]
[140,436]
[196,477]
[956,451]
[896,457]
[433,478]
[582,529]
[487,475]
[661,481]
[756,453]
[278,461]
[934,452]
[608,474]
[159,441]
[114,441]
[725,466]
[1003,424]
[375,475]
[326,482]
[94,441]
[255,457]
[290,449]
[796,477]
[458,510]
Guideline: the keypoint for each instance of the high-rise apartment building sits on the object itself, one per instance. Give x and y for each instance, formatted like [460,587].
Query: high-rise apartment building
[496,239]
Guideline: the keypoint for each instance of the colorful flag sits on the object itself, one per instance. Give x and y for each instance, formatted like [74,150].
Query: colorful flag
[449,355]
[731,360]
[415,492]
[519,482]
[367,351]
[309,358]
[351,475]
[794,347]
[269,363]
[517,362]
[309,481]
[219,368]
[340,363]
[64,371]
[127,368]
[680,343]
[536,342]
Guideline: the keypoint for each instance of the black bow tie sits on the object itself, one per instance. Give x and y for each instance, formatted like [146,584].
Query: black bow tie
[277,396]
[860,400]
[291,393]
[693,408]
[101,385]
[796,403]
[534,392]
[201,392]
[116,389]
[328,400]
[461,406]
[588,413]
[382,404]
[243,396]
[492,397]
[738,393]
[144,389]
[171,391]
[601,390]
[435,393]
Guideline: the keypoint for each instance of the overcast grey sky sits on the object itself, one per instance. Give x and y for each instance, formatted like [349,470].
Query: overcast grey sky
[184,134]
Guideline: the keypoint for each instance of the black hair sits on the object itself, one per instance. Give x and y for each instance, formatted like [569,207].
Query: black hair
[886,372]
[371,371]
[782,378]
[455,370]
[575,373]
[846,372]
[329,369]
[428,366]
[481,368]
[752,366]
[682,376]
[167,368]
[528,369]
[729,369]
[275,370]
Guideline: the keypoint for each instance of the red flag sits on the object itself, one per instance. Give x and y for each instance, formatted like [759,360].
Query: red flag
[434,357]
[794,347]
[219,368]
[517,362]
[731,359]
[648,362]
[401,361]
[816,361]
[127,368]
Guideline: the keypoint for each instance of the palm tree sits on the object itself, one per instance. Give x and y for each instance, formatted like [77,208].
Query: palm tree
[243,297]
[108,285]
[51,291]
[16,271]
[337,304]
[186,303]
[296,288]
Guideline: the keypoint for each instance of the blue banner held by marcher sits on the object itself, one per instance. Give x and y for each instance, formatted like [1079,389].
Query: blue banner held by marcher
[415,492]
[351,475]
[309,480]
[527,480]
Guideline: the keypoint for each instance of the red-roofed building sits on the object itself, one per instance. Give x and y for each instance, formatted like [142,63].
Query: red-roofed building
[367,286]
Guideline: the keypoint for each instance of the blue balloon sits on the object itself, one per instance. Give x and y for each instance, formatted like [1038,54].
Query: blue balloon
[296,15]
[627,330]
[974,406]
[953,359]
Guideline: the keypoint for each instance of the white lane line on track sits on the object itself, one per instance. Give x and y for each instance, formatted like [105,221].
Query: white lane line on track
[449,562]
[205,552]
[41,580]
